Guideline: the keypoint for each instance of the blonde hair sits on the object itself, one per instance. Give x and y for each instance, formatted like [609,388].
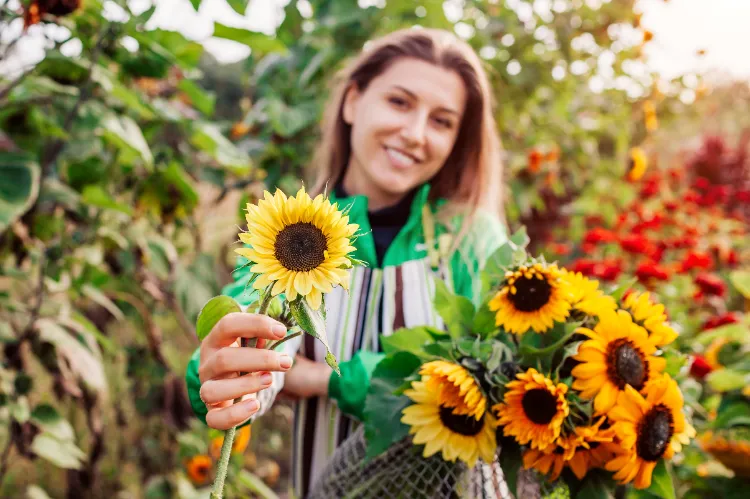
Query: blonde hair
[471,178]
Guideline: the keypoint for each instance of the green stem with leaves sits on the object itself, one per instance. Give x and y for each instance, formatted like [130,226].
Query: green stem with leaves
[222,467]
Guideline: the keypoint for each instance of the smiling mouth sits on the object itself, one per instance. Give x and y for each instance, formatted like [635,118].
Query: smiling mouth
[401,158]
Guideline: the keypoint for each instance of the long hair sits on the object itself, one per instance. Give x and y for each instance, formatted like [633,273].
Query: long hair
[471,178]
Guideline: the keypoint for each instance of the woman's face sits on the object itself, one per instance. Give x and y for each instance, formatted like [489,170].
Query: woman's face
[404,126]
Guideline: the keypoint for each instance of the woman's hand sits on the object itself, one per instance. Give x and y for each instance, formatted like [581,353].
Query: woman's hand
[221,362]
[306,379]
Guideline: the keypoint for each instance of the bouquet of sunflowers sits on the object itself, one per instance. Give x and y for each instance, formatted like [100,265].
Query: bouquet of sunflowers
[550,386]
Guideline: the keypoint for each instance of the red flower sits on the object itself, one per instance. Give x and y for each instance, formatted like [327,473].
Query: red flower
[650,188]
[696,260]
[599,235]
[635,243]
[742,196]
[670,205]
[691,196]
[584,266]
[721,320]
[710,284]
[608,270]
[699,368]
[561,249]
[593,220]
[647,271]
[535,158]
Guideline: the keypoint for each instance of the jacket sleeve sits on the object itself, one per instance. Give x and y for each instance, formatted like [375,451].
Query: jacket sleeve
[266,397]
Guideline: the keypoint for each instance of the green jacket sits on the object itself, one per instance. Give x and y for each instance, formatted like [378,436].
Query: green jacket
[411,243]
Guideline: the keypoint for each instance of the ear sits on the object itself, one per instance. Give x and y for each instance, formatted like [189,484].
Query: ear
[351,98]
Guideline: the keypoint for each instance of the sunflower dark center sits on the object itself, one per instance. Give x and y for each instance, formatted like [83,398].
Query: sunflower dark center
[531,294]
[594,445]
[654,432]
[539,405]
[626,364]
[300,247]
[460,423]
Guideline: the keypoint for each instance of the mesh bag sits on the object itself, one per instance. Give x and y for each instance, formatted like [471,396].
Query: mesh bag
[402,472]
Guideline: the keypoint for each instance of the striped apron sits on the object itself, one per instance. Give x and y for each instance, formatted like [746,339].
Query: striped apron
[379,301]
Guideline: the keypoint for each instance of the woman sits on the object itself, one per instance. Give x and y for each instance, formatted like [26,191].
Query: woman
[410,144]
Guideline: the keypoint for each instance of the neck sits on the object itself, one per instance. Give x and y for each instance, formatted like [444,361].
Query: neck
[376,199]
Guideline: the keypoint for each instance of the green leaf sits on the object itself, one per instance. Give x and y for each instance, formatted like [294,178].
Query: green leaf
[84,359]
[391,372]
[208,138]
[94,195]
[203,100]
[595,487]
[196,4]
[36,492]
[740,279]
[382,412]
[288,121]
[736,414]
[407,339]
[724,380]
[253,39]
[510,462]
[61,453]
[123,132]
[48,419]
[216,308]
[97,296]
[256,485]
[662,485]
[457,311]
[484,320]
[520,238]
[311,321]
[383,426]
[239,6]
[19,186]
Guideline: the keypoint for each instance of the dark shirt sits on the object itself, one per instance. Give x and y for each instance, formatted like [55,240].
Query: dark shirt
[385,222]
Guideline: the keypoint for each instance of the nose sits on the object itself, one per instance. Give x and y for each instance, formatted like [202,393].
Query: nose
[413,132]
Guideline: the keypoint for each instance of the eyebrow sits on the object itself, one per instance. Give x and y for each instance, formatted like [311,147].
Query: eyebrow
[414,96]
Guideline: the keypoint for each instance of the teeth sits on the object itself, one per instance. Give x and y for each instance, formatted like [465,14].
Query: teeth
[400,157]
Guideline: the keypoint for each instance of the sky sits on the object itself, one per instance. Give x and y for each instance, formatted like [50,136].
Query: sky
[680,27]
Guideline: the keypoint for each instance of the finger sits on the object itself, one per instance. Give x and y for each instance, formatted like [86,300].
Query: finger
[246,360]
[214,391]
[240,324]
[235,414]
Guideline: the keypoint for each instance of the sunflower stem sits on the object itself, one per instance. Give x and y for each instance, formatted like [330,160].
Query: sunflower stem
[275,345]
[221,471]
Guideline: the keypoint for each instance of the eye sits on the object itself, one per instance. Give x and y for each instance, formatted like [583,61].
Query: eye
[444,123]
[397,101]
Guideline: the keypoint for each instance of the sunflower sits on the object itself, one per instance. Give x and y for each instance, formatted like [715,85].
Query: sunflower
[651,316]
[551,460]
[648,429]
[617,354]
[731,448]
[637,164]
[298,244]
[585,294]
[593,449]
[199,468]
[531,297]
[454,387]
[439,428]
[533,409]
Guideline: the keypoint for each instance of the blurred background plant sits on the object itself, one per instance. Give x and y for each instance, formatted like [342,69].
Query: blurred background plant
[127,152]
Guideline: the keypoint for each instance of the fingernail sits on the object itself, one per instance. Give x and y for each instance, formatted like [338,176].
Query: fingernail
[252,405]
[279,330]
[285,361]
[266,379]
